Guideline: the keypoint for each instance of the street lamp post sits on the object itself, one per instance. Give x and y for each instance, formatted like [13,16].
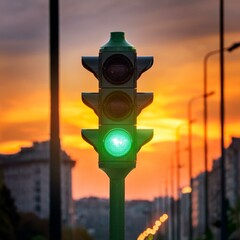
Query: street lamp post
[222,120]
[190,121]
[172,199]
[205,118]
[178,179]
[205,94]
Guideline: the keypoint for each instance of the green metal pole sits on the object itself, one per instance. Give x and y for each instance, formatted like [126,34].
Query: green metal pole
[117,173]
[117,208]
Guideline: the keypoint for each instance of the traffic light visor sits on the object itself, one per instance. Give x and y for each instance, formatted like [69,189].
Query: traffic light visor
[118,142]
[117,69]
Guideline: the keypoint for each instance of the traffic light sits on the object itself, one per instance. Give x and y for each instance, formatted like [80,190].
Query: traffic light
[117,104]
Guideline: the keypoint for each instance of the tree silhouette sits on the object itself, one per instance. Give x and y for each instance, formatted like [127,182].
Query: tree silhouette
[75,233]
[9,217]
[234,217]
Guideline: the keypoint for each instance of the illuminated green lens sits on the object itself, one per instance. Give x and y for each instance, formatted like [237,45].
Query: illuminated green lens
[118,142]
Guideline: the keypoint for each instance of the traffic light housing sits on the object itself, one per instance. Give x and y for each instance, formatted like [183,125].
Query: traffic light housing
[117,104]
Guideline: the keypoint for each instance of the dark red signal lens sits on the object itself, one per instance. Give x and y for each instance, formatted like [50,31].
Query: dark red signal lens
[117,69]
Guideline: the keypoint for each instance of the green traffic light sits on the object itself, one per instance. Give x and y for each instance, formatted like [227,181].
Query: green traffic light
[118,142]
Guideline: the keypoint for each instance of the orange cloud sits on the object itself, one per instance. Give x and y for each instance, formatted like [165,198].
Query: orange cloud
[178,35]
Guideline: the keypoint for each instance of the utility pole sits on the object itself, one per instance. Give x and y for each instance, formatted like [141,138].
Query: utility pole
[55,170]
[222,116]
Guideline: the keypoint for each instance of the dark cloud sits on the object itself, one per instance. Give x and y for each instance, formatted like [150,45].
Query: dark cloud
[166,20]
[24,24]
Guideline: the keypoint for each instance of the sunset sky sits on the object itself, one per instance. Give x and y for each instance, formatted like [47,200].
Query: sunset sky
[177,33]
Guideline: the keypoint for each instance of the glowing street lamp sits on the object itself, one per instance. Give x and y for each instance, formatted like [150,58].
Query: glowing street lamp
[150,232]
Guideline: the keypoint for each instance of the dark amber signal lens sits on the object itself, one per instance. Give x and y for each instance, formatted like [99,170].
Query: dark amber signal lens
[117,106]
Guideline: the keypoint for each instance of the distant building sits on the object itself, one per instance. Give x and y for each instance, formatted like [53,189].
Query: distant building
[93,214]
[214,194]
[160,206]
[198,205]
[26,174]
[233,171]
[232,180]
[137,217]
[185,202]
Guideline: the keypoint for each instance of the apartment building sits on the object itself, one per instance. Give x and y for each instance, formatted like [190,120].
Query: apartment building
[26,174]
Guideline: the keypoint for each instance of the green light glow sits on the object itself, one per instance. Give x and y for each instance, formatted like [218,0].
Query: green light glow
[118,142]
